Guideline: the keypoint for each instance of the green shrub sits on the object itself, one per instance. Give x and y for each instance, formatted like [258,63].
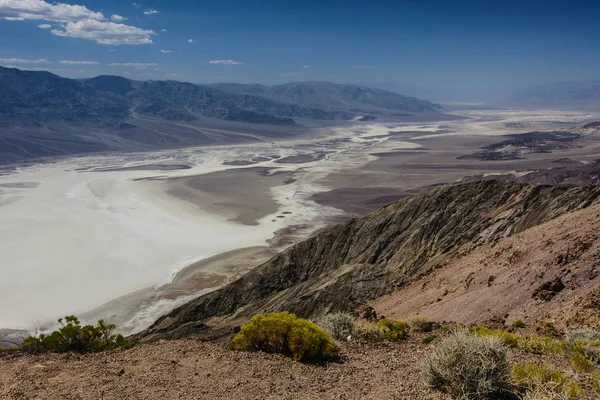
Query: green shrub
[468,367]
[509,339]
[429,339]
[580,363]
[339,325]
[368,331]
[71,336]
[540,345]
[518,324]
[286,334]
[530,377]
[393,330]
[596,381]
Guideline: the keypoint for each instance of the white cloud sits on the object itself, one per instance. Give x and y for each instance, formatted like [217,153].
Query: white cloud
[24,61]
[230,62]
[166,51]
[163,30]
[136,5]
[76,21]
[68,62]
[134,65]
[105,32]
[306,66]
[19,10]
[112,50]
[190,40]
[117,18]
[150,12]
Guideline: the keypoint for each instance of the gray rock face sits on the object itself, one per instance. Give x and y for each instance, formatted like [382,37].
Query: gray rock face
[365,258]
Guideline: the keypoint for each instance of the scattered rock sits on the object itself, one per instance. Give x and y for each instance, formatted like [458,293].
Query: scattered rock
[549,289]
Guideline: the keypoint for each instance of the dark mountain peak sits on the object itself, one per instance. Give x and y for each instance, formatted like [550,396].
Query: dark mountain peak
[110,83]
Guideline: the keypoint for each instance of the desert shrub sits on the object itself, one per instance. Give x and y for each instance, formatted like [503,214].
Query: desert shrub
[507,338]
[596,381]
[518,324]
[547,328]
[393,330]
[72,337]
[339,325]
[579,362]
[532,378]
[540,345]
[430,338]
[582,335]
[286,334]
[422,324]
[368,331]
[468,366]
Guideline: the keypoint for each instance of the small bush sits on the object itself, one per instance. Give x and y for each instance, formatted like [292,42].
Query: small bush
[339,325]
[540,345]
[580,363]
[422,324]
[368,331]
[468,367]
[393,330]
[507,338]
[72,337]
[286,334]
[582,335]
[429,339]
[596,381]
[547,328]
[532,378]
[518,324]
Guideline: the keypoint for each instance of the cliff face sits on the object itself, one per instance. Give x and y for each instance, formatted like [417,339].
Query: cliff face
[365,258]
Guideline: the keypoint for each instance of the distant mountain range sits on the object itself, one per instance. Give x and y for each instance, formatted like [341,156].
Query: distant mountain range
[561,94]
[42,114]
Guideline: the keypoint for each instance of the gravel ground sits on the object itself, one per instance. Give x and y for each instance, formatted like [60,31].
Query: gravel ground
[192,369]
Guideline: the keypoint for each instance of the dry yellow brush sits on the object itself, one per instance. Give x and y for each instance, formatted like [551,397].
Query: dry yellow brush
[286,334]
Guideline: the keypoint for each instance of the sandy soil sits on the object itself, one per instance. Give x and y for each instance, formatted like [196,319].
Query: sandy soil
[241,195]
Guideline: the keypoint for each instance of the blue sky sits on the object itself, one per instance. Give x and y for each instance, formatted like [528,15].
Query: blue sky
[451,49]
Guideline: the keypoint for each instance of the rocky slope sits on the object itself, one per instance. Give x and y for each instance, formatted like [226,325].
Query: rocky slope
[550,271]
[365,258]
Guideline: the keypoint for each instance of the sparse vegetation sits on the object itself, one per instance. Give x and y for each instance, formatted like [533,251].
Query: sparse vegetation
[339,325]
[430,338]
[532,378]
[518,324]
[72,337]
[582,335]
[368,331]
[286,334]
[580,363]
[422,324]
[384,329]
[393,330]
[468,366]
[507,338]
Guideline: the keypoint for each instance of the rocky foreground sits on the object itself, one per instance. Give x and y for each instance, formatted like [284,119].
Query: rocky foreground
[193,369]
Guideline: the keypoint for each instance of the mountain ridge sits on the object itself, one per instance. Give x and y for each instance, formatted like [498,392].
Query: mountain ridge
[43,114]
[365,258]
